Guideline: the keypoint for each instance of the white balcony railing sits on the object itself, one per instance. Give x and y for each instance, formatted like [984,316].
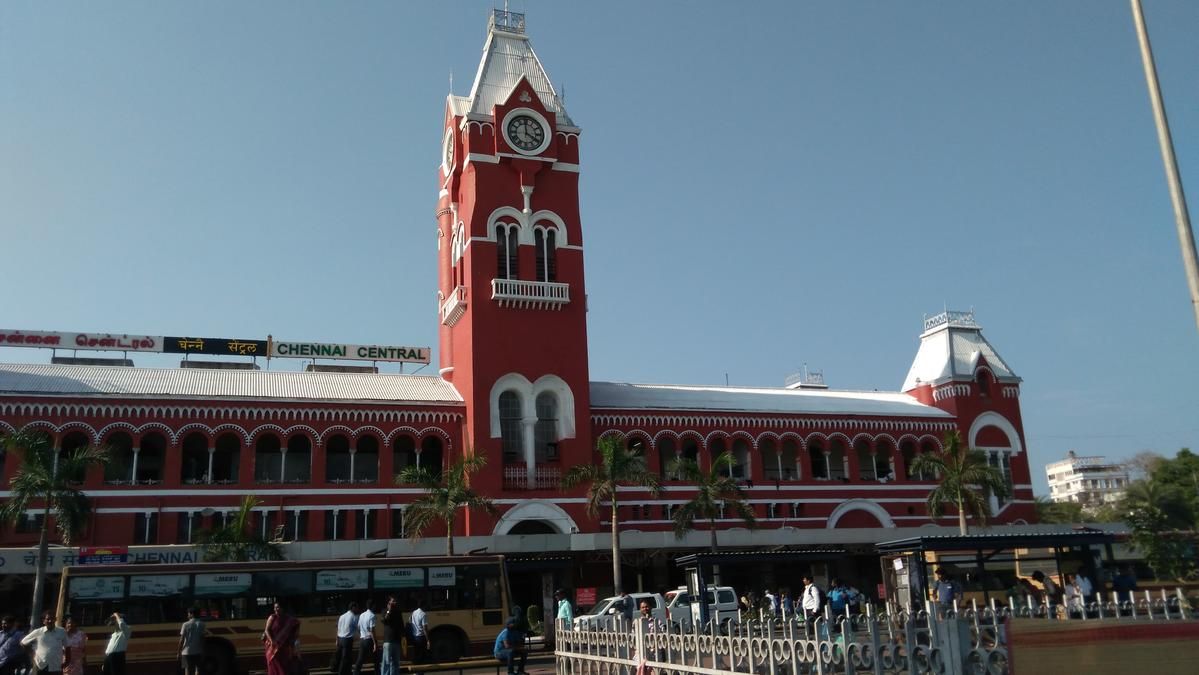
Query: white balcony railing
[516,477]
[454,306]
[530,294]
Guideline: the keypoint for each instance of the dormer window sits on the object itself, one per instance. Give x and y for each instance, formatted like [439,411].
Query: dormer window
[983,379]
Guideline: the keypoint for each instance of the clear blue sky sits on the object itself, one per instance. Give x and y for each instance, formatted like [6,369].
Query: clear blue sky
[763,185]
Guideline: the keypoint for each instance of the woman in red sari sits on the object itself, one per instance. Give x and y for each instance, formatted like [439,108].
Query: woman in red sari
[280,639]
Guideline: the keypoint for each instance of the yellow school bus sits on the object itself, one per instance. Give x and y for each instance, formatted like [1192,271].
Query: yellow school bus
[466,599]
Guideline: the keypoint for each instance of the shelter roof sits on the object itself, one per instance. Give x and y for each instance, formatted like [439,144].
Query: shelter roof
[75,380]
[629,396]
[992,540]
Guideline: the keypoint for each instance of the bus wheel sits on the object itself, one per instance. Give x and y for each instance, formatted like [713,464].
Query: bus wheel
[218,659]
[447,646]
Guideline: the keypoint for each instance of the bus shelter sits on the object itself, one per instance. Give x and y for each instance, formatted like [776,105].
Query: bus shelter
[992,566]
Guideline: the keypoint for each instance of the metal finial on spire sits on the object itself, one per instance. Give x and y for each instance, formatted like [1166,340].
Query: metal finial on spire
[451,80]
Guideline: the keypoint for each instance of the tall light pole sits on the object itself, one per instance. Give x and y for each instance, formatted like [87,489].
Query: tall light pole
[1186,237]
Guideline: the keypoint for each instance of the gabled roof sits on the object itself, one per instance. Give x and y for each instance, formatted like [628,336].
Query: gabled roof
[951,348]
[626,396]
[59,380]
[507,57]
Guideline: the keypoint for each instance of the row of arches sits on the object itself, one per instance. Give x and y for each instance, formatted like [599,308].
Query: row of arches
[785,457]
[262,457]
[253,414]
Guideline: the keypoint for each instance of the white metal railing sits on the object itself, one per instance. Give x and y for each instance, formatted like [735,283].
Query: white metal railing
[516,477]
[530,294]
[957,319]
[942,641]
[454,306]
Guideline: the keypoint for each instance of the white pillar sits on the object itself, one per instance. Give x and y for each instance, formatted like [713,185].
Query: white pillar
[283,464]
[366,523]
[352,452]
[828,468]
[530,425]
[133,469]
[211,453]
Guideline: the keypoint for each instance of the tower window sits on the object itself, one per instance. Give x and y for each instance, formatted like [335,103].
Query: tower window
[510,426]
[507,248]
[546,431]
[547,263]
[984,383]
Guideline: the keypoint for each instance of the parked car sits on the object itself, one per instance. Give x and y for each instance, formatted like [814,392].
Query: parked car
[603,615]
[722,606]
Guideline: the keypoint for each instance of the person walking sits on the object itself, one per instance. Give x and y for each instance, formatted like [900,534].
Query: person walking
[626,607]
[74,657]
[812,601]
[191,643]
[347,628]
[49,643]
[787,603]
[12,654]
[368,648]
[393,632]
[772,602]
[510,647]
[279,640]
[418,633]
[565,611]
[946,590]
[838,598]
[118,643]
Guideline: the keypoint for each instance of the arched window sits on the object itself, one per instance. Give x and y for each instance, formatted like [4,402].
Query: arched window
[298,466]
[226,459]
[789,460]
[430,454]
[545,240]
[715,447]
[337,460]
[511,426]
[836,460]
[70,443]
[819,460]
[666,455]
[150,459]
[366,460]
[507,248]
[883,453]
[195,460]
[403,453]
[866,467]
[772,466]
[740,467]
[545,434]
[268,459]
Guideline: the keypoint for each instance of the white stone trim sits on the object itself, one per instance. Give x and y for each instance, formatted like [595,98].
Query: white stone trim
[994,419]
[536,509]
[528,392]
[872,508]
[568,167]
[479,158]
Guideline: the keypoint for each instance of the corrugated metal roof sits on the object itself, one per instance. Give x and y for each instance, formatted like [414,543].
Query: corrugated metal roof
[506,59]
[223,384]
[953,352]
[626,396]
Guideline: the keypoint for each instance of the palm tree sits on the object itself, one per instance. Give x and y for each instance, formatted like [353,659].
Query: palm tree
[965,480]
[445,493]
[236,540]
[51,477]
[713,489]
[618,465]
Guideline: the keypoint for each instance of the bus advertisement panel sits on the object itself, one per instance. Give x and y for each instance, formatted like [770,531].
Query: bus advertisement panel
[465,598]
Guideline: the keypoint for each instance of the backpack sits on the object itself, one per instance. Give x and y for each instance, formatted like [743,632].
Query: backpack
[838,598]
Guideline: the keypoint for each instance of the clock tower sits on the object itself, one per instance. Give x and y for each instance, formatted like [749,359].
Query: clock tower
[512,300]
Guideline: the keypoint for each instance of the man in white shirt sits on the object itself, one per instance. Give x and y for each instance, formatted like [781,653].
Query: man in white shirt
[118,642]
[347,627]
[1085,587]
[48,643]
[771,602]
[419,634]
[813,598]
[367,646]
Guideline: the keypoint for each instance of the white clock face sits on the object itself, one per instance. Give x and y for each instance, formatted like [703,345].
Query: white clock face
[447,152]
[526,131]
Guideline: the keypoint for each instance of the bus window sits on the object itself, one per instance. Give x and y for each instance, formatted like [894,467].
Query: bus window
[294,590]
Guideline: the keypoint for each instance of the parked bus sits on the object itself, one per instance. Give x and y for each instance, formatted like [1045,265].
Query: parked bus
[466,599]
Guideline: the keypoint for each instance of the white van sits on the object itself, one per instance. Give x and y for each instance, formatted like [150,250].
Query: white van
[603,615]
[722,606]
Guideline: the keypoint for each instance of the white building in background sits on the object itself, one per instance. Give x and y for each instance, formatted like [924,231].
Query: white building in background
[1086,480]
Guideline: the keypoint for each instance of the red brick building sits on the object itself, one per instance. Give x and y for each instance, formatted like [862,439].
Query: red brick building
[321,449]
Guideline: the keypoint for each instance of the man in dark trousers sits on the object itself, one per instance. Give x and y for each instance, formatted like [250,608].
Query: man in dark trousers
[347,627]
[368,646]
